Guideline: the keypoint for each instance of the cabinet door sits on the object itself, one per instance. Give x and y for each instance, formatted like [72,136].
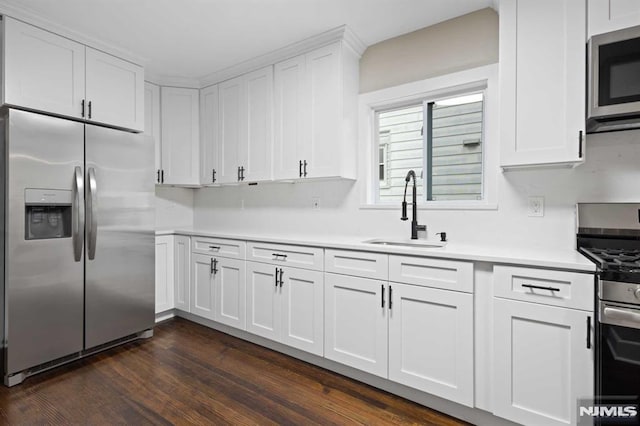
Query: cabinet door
[164,273]
[229,286]
[182,272]
[431,341]
[325,111]
[114,91]
[356,322]
[202,286]
[612,15]
[256,149]
[209,135]
[263,300]
[290,117]
[231,129]
[152,121]
[303,309]
[42,71]
[180,136]
[541,362]
[542,81]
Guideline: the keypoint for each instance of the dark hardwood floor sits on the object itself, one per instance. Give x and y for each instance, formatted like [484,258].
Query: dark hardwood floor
[190,374]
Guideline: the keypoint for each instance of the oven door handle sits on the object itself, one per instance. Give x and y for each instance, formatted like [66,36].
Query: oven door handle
[621,316]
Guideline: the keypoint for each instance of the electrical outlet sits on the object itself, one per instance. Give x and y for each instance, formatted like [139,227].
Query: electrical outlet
[535,207]
[315,203]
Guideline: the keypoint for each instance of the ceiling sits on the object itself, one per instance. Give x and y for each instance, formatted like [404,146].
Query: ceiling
[194,38]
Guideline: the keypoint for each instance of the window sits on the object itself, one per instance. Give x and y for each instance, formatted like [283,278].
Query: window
[441,139]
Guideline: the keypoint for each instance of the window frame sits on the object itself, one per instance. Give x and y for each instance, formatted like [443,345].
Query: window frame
[482,79]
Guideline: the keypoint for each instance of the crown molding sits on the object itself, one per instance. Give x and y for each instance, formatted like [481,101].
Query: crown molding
[172,81]
[342,33]
[22,13]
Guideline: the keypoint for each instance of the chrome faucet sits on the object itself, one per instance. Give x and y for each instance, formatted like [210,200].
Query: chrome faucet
[414,207]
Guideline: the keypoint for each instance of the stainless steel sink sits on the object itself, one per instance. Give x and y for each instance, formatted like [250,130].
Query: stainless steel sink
[406,243]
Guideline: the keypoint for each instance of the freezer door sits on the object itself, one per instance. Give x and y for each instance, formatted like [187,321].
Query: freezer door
[120,226]
[44,239]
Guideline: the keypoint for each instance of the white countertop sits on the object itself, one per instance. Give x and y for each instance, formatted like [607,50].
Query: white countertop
[544,258]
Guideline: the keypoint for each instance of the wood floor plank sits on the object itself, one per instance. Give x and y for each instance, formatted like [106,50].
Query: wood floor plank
[190,374]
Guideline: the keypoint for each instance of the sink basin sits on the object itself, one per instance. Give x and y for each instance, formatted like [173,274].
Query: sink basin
[407,243]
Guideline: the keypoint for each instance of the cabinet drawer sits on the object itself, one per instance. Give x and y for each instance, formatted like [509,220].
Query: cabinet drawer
[429,272]
[360,264]
[557,288]
[233,249]
[280,254]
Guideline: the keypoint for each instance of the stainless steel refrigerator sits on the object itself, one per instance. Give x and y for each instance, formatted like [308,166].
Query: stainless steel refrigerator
[78,248]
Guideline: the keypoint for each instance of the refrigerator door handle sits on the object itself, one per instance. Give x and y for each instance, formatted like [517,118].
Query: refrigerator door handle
[78,216]
[92,220]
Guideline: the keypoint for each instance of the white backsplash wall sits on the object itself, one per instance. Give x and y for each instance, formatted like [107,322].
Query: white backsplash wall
[174,207]
[611,173]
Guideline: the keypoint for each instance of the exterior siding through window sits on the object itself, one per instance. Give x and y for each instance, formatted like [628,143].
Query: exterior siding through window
[457,151]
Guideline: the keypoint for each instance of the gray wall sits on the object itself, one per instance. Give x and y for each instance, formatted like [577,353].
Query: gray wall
[461,43]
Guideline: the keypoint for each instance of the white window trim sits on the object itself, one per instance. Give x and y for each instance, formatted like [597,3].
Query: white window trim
[406,94]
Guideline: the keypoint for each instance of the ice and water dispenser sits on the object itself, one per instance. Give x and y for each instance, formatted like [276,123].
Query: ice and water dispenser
[47,213]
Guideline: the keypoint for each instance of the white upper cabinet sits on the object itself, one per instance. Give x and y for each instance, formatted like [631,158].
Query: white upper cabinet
[230,129]
[43,71]
[114,91]
[255,151]
[180,136]
[612,15]
[315,114]
[49,73]
[290,100]
[209,135]
[245,135]
[152,122]
[542,74]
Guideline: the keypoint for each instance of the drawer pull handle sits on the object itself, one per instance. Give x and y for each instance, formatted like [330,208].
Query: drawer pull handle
[216,248]
[382,294]
[390,297]
[539,287]
[277,281]
[589,332]
[278,255]
[281,279]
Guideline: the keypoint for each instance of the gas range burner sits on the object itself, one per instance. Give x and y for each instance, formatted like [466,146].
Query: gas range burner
[609,259]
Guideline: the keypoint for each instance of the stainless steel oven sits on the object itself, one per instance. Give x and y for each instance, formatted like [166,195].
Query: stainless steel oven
[618,335]
[614,81]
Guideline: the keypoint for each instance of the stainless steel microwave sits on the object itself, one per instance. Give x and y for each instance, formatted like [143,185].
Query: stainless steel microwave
[613,94]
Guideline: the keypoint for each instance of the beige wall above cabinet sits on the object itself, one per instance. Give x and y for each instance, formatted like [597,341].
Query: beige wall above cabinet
[180,154]
[315,115]
[542,82]
[612,15]
[49,73]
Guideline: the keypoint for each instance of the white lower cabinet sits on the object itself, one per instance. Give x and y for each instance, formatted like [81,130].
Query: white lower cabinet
[542,364]
[286,305]
[431,341]
[202,292]
[164,273]
[415,335]
[355,330]
[218,289]
[229,292]
[181,273]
